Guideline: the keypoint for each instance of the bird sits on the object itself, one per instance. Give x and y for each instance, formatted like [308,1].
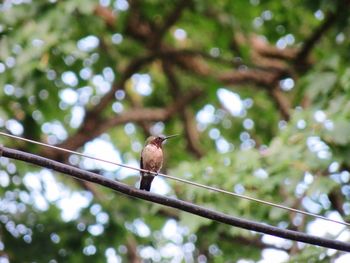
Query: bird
[151,159]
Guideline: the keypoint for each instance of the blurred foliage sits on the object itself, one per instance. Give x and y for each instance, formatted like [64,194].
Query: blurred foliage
[59,58]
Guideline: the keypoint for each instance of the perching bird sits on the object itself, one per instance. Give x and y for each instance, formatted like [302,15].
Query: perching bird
[151,159]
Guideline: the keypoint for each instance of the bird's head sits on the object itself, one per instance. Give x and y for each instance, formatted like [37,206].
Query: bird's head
[158,140]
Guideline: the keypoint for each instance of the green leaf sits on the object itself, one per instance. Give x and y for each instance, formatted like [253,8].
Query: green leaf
[345,80]
[340,134]
[321,83]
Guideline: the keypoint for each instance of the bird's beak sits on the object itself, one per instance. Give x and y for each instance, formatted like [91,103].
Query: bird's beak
[170,136]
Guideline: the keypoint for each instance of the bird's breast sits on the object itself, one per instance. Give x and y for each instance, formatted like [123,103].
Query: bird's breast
[152,158]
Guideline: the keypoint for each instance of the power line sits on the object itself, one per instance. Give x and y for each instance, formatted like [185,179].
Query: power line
[172,202]
[181,180]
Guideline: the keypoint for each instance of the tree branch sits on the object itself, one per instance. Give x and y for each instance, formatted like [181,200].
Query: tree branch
[254,241]
[92,124]
[134,66]
[192,134]
[106,14]
[256,77]
[169,21]
[275,62]
[91,130]
[171,202]
[337,201]
[132,254]
[136,27]
[281,101]
[318,33]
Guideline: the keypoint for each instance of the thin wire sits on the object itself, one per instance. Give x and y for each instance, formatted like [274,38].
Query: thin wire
[181,180]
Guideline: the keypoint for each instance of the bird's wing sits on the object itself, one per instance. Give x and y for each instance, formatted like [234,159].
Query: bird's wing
[146,181]
[141,164]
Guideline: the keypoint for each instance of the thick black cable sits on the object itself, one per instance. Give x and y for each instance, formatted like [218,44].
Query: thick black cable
[175,203]
[290,209]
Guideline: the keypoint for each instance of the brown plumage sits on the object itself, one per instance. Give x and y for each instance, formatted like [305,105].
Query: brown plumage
[151,159]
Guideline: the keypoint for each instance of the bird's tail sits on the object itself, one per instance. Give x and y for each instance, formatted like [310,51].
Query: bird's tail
[146,181]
